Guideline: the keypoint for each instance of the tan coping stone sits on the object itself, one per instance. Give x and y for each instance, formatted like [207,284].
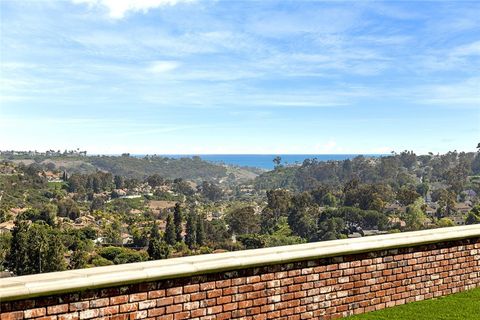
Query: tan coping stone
[101,277]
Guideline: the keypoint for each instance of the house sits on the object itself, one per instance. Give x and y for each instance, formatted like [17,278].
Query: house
[158,206]
[430,210]
[396,220]
[6,226]
[395,207]
[52,177]
[462,207]
[458,220]
[126,238]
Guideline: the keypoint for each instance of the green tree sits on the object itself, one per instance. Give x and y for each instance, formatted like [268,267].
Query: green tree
[281,235]
[211,191]
[415,218]
[408,159]
[302,216]
[155,180]
[5,245]
[216,231]
[36,248]
[446,200]
[20,262]
[99,261]
[48,213]
[154,232]
[329,200]
[200,231]
[191,236]
[278,203]
[119,255]
[252,241]
[178,220]
[473,216]
[445,222]
[68,208]
[243,220]
[79,257]
[277,161]
[367,196]
[113,232]
[140,236]
[158,249]
[119,182]
[183,187]
[97,204]
[331,229]
[475,167]
[170,236]
[407,195]
[423,189]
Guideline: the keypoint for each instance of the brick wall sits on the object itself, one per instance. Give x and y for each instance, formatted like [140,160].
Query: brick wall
[326,288]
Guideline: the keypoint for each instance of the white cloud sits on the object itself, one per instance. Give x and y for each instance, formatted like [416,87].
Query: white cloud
[163,66]
[117,9]
[462,94]
[471,49]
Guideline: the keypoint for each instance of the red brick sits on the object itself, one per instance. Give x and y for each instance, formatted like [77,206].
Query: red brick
[68,316]
[174,291]
[214,293]
[198,313]
[89,314]
[198,296]
[16,315]
[119,299]
[224,300]
[207,286]
[245,304]
[230,306]
[223,283]
[164,301]
[156,312]
[147,304]
[214,309]
[229,291]
[108,311]
[128,307]
[138,315]
[54,317]
[138,296]
[182,315]
[245,288]
[34,313]
[174,308]
[191,288]
[98,303]
[156,294]
[61,308]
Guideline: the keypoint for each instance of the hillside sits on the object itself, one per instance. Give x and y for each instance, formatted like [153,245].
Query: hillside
[451,169]
[128,166]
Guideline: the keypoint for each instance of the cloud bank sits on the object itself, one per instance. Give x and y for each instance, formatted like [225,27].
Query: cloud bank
[117,9]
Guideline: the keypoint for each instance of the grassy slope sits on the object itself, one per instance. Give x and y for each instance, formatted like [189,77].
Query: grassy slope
[461,306]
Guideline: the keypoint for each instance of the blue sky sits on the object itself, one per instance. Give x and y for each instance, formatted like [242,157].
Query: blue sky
[173,76]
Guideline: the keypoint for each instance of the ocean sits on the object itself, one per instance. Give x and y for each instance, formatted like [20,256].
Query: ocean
[265,161]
